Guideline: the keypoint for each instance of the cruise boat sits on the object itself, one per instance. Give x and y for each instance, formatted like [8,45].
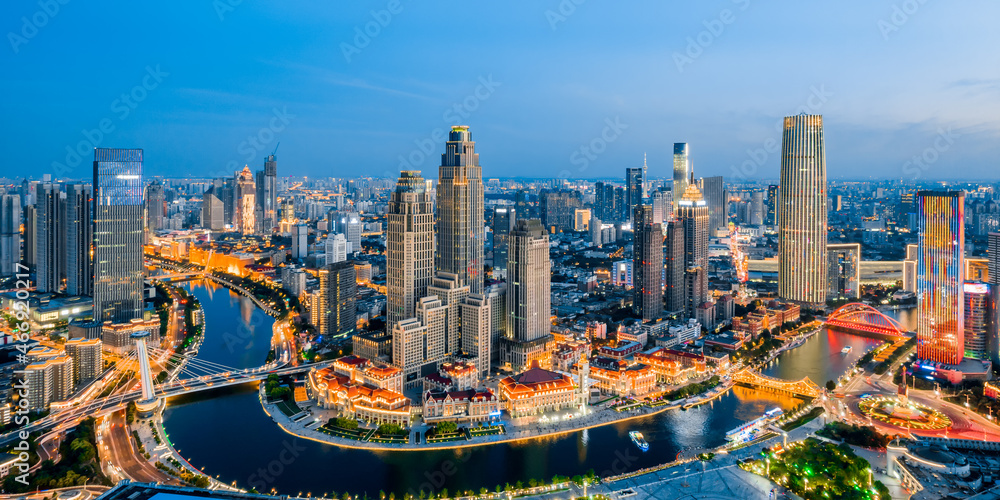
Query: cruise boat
[846,350]
[749,430]
[639,440]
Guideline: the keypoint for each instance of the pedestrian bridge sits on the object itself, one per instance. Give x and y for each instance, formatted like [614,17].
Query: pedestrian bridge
[803,387]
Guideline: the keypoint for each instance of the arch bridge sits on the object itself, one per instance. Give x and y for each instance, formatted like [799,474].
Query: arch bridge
[803,387]
[866,320]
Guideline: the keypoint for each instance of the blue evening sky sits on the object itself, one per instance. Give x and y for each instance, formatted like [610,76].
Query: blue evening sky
[550,88]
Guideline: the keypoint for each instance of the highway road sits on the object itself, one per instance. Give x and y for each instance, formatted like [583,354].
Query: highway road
[119,448]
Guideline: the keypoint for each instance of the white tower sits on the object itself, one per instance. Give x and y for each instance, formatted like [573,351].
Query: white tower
[146,406]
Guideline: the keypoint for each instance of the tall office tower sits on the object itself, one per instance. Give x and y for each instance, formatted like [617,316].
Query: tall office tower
[647,264]
[50,242]
[350,225]
[596,231]
[757,210]
[267,194]
[118,228]
[287,210]
[496,294]
[409,247]
[156,206]
[557,208]
[772,205]
[341,293]
[529,305]
[633,190]
[300,241]
[522,207]
[621,208]
[692,211]
[940,276]
[503,223]
[714,191]
[461,231]
[802,212]
[336,248]
[682,171]
[993,252]
[30,236]
[660,201]
[978,318]
[907,210]
[843,266]
[600,200]
[477,331]
[88,361]
[449,288]
[673,268]
[225,191]
[611,203]
[245,196]
[10,234]
[79,224]
[212,211]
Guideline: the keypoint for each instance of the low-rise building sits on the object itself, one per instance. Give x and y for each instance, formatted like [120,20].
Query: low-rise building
[360,389]
[666,367]
[620,351]
[535,391]
[463,406]
[617,377]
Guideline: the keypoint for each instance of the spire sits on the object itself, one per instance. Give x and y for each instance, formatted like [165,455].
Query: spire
[644,161]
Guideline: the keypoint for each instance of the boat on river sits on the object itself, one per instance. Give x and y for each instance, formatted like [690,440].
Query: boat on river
[639,440]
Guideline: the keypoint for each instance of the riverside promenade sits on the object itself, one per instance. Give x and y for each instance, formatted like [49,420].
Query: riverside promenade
[306,424]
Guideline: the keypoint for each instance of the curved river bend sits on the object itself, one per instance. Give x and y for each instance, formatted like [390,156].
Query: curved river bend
[227,433]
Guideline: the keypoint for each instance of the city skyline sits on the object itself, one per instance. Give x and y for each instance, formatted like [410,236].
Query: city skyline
[299,87]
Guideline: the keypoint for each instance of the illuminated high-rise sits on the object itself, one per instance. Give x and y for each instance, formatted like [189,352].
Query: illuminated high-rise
[409,247]
[245,216]
[10,234]
[529,300]
[461,231]
[647,264]
[692,212]
[802,211]
[978,319]
[503,223]
[119,207]
[682,170]
[79,224]
[633,190]
[673,267]
[940,276]
[267,194]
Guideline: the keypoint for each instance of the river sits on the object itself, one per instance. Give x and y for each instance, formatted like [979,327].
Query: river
[227,433]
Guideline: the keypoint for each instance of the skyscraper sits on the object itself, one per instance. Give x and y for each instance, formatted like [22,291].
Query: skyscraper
[647,264]
[156,206]
[267,194]
[633,190]
[79,224]
[50,233]
[843,271]
[993,251]
[940,276]
[528,294]
[503,223]
[118,230]
[978,319]
[336,248]
[557,208]
[714,192]
[245,217]
[692,211]
[673,268]
[461,229]
[772,205]
[682,170]
[341,293]
[802,212]
[212,211]
[409,247]
[10,234]
[300,241]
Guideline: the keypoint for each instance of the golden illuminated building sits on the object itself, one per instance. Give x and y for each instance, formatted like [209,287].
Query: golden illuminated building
[617,377]
[536,391]
[360,389]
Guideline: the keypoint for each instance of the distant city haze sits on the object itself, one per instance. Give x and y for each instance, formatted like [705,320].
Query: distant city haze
[583,90]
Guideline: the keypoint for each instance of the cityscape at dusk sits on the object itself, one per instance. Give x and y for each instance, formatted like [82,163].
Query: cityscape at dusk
[554,250]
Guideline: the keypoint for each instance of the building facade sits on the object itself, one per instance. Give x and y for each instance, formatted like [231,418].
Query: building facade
[940,277]
[461,232]
[118,234]
[409,247]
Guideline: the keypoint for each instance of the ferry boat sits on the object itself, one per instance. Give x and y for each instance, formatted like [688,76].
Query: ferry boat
[749,430]
[846,350]
[639,441]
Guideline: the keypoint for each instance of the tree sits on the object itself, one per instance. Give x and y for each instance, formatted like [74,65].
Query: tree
[483,491]
[446,427]
[831,385]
